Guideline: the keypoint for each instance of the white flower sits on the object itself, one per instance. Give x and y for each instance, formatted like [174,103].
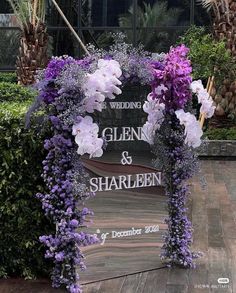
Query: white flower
[196,86]
[193,129]
[94,102]
[207,107]
[110,67]
[94,83]
[204,98]
[148,132]
[111,87]
[86,137]
[159,90]
[90,145]
[101,84]
[155,110]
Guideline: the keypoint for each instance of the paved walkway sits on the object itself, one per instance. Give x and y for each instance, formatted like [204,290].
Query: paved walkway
[213,214]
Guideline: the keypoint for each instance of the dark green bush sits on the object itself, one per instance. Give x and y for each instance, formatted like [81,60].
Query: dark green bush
[10,91]
[221,133]
[22,220]
[208,56]
[8,77]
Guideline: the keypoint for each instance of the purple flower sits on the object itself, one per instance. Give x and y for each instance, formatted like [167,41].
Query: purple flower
[60,256]
[74,223]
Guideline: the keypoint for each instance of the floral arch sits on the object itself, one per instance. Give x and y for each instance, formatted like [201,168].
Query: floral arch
[70,90]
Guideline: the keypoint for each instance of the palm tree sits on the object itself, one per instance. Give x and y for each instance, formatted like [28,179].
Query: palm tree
[223,13]
[156,15]
[34,38]
[224,20]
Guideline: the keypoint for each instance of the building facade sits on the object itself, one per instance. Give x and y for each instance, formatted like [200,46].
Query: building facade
[156,24]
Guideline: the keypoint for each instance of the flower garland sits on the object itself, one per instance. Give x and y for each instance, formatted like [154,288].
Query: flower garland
[70,90]
[174,133]
[66,182]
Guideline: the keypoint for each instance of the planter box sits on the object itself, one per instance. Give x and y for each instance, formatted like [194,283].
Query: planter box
[219,148]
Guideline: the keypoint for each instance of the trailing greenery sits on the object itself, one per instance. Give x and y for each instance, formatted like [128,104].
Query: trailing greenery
[21,218]
[8,77]
[208,56]
[10,91]
[221,133]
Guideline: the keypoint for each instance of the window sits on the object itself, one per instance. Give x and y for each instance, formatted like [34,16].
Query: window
[155,23]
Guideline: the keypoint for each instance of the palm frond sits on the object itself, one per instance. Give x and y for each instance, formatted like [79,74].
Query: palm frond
[212,5]
[21,12]
[28,12]
[208,4]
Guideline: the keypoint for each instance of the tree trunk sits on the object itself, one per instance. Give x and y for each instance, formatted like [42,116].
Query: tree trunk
[225,29]
[225,25]
[32,53]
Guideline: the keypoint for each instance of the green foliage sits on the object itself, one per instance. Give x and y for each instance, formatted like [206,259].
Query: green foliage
[10,92]
[22,220]
[208,57]
[221,133]
[8,77]
[28,11]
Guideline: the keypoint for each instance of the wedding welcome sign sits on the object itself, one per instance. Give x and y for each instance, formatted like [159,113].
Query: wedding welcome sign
[99,125]
[129,206]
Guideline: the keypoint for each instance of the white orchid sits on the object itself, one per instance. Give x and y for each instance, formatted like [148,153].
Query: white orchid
[101,84]
[148,132]
[94,83]
[159,90]
[155,110]
[196,86]
[193,130]
[109,67]
[86,137]
[94,102]
[207,107]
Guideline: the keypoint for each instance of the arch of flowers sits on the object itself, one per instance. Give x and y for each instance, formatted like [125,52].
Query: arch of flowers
[70,90]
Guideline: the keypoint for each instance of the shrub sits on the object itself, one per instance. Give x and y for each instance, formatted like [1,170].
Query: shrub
[221,133]
[10,92]
[208,56]
[8,77]
[21,218]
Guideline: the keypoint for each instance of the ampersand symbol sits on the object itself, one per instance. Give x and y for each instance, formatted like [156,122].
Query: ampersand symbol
[126,159]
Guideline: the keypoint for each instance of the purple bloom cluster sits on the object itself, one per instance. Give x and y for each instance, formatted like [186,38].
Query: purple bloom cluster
[175,75]
[63,203]
[179,164]
[56,65]
[178,161]
[46,85]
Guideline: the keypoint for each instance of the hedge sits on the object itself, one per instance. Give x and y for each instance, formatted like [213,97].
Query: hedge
[13,92]
[221,133]
[21,218]
[8,77]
